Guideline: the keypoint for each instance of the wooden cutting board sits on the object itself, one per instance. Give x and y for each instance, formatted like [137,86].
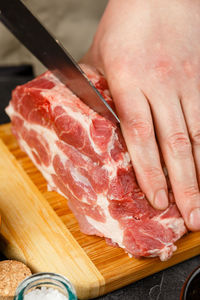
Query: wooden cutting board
[39,229]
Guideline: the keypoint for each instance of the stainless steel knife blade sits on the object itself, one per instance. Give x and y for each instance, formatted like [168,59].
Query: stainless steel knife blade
[29,31]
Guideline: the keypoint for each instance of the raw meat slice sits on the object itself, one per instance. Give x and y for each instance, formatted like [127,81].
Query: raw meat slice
[83,156]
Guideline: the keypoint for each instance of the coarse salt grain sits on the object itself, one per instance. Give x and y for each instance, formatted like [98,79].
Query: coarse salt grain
[45,293]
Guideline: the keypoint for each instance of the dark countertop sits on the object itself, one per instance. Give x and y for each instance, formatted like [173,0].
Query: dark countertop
[165,285]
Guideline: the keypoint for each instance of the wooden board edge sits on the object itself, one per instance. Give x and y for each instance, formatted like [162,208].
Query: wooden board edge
[151,266]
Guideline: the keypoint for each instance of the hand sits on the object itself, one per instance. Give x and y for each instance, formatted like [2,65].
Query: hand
[149,51]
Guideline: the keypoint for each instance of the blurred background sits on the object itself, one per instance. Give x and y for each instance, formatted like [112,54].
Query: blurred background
[72,22]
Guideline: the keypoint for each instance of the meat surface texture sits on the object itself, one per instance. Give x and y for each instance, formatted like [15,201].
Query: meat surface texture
[83,157]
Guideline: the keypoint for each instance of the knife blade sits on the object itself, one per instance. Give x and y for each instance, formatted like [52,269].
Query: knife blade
[49,51]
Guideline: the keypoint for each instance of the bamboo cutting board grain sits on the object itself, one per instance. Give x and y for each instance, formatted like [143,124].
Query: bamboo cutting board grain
[40,230]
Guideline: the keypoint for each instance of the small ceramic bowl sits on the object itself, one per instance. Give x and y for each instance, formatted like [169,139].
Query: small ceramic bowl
[191,287]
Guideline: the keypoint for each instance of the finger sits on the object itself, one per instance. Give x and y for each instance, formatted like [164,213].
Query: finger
[137,127]
[177,152]
[191,108]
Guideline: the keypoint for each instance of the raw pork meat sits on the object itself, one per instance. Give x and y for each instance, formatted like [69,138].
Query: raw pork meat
[83,156]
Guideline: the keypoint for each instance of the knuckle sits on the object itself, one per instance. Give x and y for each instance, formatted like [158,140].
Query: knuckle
[179,143]
[152,174]
[191,191]
[189,69]
[139,128]
[195,136]
[163,65]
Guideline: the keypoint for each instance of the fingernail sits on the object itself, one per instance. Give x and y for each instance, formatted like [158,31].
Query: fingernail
[161,199]
[195,219]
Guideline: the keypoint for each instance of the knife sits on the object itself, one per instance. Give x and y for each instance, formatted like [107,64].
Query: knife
[49,51]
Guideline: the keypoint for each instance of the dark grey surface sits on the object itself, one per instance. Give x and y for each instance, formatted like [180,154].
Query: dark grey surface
[165,285]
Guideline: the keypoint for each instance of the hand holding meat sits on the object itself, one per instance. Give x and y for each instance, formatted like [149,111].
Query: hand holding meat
[149,51]
[83,157]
